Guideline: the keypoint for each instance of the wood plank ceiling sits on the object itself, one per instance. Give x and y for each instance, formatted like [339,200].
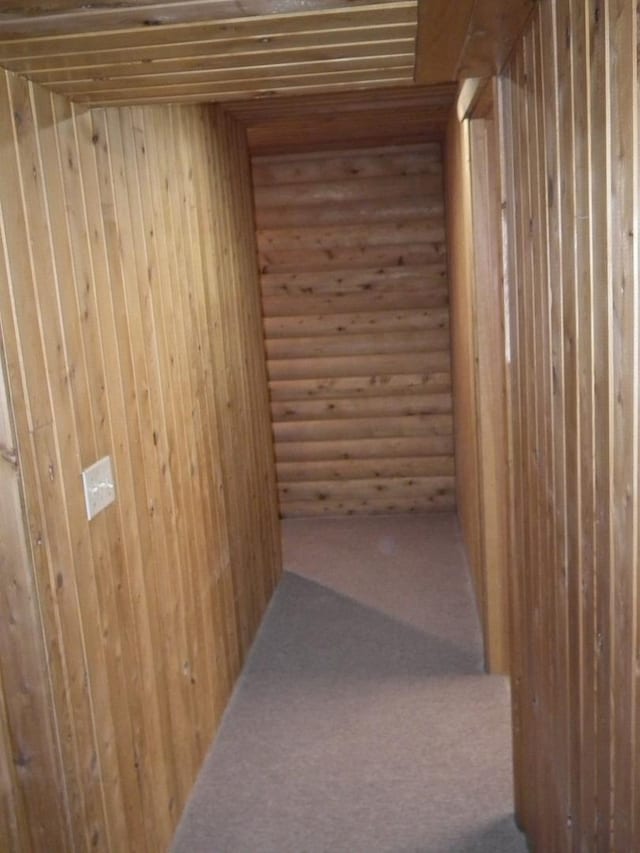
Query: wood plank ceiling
[111,52]
[205,50]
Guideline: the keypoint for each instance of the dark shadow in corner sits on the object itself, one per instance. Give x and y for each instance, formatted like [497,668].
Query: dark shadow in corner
[501,836]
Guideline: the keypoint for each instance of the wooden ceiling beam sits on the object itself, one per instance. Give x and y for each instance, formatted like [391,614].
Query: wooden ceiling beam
[469,38]
[494,29]
[440,40]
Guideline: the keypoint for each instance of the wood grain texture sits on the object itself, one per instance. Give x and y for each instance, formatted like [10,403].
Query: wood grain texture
[442,33]
[210,51]
[463,342]
[33,795]
[478,374]
[63,18]
[388,115]
[491,398]
[494,28]
[129,328]
[131,52]
[571,163]
[467,39]
[357,329]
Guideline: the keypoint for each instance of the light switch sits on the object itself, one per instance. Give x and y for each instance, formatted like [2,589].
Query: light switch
[99,487]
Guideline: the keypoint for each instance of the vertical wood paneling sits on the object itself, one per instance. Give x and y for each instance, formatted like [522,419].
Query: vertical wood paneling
[463,325]
[571,159]
[352,256]
[490,391]
[623,224]
[131,325]
[567,338]
[478,343]
[33,811]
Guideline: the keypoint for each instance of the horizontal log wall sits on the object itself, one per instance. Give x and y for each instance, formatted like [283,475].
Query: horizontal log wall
[131,326]
[572,193]
[355,301]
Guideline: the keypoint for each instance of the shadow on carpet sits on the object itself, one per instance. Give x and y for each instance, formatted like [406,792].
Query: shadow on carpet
[349,731]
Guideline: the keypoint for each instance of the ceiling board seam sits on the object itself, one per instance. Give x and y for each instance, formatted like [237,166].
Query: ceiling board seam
[272,23]
[149,14]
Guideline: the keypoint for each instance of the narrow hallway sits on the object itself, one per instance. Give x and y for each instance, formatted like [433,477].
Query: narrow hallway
[363,720]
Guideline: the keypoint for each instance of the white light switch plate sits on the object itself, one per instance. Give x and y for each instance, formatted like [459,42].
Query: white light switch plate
[99,487]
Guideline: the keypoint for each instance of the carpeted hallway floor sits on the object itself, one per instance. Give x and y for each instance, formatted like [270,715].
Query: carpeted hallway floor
[362,722]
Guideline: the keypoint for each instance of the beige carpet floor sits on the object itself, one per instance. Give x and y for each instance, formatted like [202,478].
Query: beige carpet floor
[362,722]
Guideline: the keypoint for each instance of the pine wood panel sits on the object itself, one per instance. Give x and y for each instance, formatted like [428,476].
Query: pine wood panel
[478,344]
[398,208]
[425,404]
[207,28]
[370,427]
[394,487]
[467,39]
[211,50]
[356,329]
[362,469]
[358,386]
[131,328]
[379,280]
[338,166]
[440,501]
[257,86]
[490,390]
[376,344]
[397,447]
[354,324]
[33,811]
[134,52]
[464,377]
[394,114]
[358,366]
[328,298]
[442,33]
[52,18]
[236,77]
[571,165]
[494,28]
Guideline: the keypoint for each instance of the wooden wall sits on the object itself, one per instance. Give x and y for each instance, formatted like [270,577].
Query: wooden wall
[130,318]
[354,285]
[572,194]
[463,348]
[478,346]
